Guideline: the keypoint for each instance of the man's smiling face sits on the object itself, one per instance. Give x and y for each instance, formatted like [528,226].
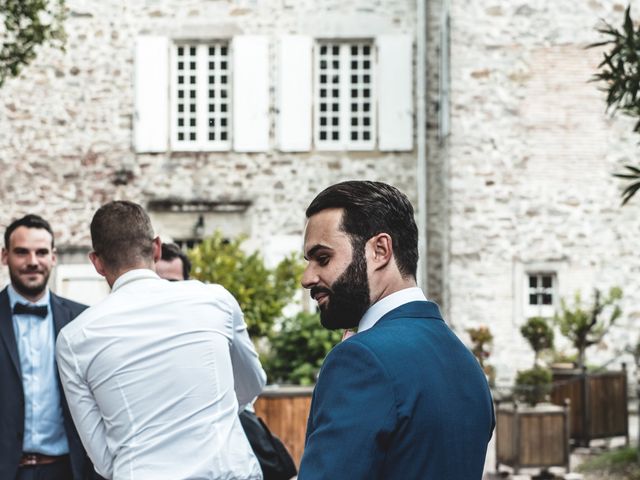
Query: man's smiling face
[30,258]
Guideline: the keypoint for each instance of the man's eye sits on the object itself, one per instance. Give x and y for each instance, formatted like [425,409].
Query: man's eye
[323,260]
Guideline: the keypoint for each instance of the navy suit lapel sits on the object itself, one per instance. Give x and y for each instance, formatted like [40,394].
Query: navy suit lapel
[61,314]
[6,330]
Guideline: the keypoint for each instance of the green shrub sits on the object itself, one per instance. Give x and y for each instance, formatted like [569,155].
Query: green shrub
[261,292]
[533,385]
[298,349]
[619,463]
[586,325]
[539,335]
[27,24]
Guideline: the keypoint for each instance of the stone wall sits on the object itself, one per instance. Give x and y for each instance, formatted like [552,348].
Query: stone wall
[523,178]
[531,155]
[67,120]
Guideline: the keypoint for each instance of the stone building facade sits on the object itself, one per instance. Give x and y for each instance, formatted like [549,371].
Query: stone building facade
[519,150]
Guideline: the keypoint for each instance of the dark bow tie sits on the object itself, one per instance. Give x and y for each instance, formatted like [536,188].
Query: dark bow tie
[24,309]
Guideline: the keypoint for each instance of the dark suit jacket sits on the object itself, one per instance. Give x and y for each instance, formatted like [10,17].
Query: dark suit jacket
[403,400]
[12,395]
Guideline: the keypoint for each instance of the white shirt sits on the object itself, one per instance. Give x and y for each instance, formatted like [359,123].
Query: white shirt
[379,309]
[149,378]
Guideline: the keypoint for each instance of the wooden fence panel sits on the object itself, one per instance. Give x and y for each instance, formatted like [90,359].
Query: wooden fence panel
[285,411]
[598,403]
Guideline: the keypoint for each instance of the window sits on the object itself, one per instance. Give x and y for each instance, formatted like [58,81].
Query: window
[344,96]
[541,294]
[201,95]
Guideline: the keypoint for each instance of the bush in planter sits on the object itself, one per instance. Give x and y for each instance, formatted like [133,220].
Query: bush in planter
[586,326]
[533,385]
[298,349]
[482,339]
[539,335]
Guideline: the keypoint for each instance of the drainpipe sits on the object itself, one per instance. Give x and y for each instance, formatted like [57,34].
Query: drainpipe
[421,134]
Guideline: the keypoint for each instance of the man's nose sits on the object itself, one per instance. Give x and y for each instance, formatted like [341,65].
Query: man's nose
[309,277]
[33,258]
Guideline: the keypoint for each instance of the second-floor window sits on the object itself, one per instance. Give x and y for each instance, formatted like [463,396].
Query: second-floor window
[201,96]
[344,95]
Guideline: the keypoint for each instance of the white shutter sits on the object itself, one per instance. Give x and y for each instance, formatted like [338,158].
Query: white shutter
[294,93]
[151,80]
[395,92]
[250,93]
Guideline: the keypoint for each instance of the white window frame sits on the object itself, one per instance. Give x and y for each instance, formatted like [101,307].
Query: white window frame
[539,309]
[202,142]
[345,99]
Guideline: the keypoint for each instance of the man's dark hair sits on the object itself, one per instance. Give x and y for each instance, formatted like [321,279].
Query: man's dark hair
[29,221]
[371,208]
[122,234]
[171,251]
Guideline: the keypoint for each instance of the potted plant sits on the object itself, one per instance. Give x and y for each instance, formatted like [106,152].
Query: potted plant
[534,385]
[482,340]
[598,397]
[534,433]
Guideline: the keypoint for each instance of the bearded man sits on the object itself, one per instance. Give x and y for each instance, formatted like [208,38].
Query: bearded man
[403,398]
[37,435]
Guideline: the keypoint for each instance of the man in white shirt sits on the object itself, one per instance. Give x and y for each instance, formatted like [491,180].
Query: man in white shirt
[149,371]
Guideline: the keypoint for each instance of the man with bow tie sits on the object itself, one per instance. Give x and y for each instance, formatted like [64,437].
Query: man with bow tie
[37,435]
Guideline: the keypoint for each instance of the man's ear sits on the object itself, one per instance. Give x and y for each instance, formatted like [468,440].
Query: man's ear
[381,250]
[157,249]
[97,263]
[5,256]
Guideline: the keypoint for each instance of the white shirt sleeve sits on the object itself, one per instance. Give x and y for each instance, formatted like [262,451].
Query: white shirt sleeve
[84,410]
[248,374]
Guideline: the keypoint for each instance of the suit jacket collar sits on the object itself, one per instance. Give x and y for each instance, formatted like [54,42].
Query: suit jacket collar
[426,309]
[60,311]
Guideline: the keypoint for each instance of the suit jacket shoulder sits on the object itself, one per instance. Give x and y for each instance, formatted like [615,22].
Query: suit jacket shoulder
[404,399]
[74,308]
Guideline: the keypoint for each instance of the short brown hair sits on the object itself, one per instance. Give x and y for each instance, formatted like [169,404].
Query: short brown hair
[122,235]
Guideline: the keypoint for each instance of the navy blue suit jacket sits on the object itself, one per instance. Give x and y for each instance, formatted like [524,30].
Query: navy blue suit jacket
[12,394]
[403,400]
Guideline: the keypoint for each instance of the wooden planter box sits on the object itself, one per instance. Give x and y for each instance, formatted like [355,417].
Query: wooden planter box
[532,437]
[598,403]
[285,411]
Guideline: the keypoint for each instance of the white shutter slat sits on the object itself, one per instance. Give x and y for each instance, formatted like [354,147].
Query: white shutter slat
[250,93]
[294,93]
[151,88]
[395,93]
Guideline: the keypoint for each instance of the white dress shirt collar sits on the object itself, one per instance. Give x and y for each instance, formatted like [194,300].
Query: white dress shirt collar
[15,297]
[132,276]
[388,303]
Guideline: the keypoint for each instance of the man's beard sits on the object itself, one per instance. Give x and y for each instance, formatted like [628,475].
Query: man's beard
[28,290]
[348,296]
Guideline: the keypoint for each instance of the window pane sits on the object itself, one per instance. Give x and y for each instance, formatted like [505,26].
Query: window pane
[185,113]
[218,74]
